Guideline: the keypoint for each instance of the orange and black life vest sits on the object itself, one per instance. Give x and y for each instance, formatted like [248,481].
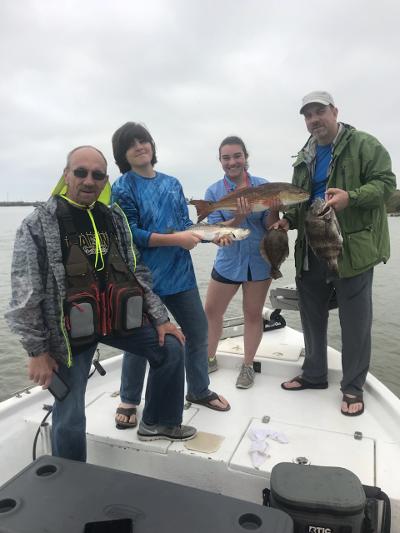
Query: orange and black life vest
[92,309]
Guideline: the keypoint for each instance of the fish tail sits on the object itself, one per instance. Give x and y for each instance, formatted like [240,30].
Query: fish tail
[333,266]
[202,208]
[276,273]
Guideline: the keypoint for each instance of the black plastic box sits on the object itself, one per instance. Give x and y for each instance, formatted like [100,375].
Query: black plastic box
[54,495]
[320,499]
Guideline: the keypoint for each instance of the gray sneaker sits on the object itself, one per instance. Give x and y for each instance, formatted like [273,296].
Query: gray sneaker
[245,378]
[158,432]
[212,364]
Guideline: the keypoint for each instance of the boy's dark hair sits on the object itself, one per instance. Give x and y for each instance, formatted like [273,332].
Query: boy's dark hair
[233,139]
[122,140]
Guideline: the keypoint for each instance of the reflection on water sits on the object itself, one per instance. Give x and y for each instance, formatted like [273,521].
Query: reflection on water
[386,332]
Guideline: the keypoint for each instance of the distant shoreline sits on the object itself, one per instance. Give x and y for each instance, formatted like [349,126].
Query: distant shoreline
[37,203]
[20,203]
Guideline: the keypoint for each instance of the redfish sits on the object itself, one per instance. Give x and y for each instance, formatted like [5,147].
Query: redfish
[259,198]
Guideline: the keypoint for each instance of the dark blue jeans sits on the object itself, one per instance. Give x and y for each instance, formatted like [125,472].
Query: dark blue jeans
[164,393]
[187,310]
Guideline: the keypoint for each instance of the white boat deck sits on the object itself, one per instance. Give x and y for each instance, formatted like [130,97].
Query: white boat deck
[310,419]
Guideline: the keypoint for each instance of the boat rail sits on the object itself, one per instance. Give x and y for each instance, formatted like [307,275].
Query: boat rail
[286,297]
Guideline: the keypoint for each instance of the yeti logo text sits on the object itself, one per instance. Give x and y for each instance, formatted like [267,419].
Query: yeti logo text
[316,529]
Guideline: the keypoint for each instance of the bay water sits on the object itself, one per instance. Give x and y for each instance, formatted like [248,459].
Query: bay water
[385,363]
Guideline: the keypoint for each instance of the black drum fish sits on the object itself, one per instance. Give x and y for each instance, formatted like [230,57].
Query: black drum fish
[323,233]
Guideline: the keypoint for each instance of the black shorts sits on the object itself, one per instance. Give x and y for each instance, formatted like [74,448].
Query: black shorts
[217,277]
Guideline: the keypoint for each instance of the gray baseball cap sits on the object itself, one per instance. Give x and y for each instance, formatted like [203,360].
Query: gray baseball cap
[317,97]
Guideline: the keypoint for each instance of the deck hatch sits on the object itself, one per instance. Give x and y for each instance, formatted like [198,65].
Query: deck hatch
[274,345]
[320,447]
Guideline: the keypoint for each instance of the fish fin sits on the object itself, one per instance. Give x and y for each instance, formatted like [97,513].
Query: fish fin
[264,255]
[202,208]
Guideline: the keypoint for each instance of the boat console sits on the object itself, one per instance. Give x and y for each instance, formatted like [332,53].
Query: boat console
[58,495]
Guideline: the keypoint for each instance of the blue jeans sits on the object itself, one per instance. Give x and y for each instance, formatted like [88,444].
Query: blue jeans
[187,310]
[164,393]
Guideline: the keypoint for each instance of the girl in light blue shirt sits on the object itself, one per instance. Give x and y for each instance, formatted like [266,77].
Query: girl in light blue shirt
[238,264]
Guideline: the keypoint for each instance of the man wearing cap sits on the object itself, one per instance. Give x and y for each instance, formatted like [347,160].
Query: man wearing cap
[351,170]
[76,281]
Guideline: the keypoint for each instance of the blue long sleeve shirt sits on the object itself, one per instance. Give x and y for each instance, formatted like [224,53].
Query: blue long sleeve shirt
[233,262]
[157,205]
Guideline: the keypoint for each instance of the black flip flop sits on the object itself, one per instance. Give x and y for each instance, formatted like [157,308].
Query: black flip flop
[207,402]
[128,412]
[350,401]
[304,384]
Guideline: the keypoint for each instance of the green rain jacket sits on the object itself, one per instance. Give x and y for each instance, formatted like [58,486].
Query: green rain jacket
[361,166]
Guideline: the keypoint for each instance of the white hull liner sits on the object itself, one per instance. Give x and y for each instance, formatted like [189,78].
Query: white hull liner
[311,420]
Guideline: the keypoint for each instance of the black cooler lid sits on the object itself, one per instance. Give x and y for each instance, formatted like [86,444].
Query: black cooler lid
[317,488]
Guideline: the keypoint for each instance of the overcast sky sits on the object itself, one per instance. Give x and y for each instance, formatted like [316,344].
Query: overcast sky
[193,71]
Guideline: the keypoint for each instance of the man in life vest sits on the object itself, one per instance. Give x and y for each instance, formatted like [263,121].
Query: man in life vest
[76,281]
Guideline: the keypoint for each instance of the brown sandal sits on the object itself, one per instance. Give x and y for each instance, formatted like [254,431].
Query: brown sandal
[304,384]
[207,402]
[350,401]
[128,412]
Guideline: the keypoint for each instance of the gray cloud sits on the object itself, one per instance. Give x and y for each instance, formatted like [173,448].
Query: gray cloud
[193,71]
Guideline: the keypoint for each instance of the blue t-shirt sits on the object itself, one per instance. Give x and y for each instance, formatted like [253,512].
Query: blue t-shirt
[157,205]
[322,160]
[234,261]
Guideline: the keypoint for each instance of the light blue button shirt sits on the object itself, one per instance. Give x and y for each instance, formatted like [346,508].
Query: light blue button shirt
[233,262]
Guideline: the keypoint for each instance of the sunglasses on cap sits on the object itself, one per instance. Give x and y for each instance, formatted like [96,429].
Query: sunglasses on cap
[82,172]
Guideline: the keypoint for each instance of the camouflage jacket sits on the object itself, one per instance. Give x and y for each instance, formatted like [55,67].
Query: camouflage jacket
[361,166]
[38,282]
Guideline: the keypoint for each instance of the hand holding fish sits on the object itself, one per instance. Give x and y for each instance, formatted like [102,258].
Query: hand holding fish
[275,204]
[243,208]
[337,198]
[224,240]
[282,223]
[273,212]
[187,239]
